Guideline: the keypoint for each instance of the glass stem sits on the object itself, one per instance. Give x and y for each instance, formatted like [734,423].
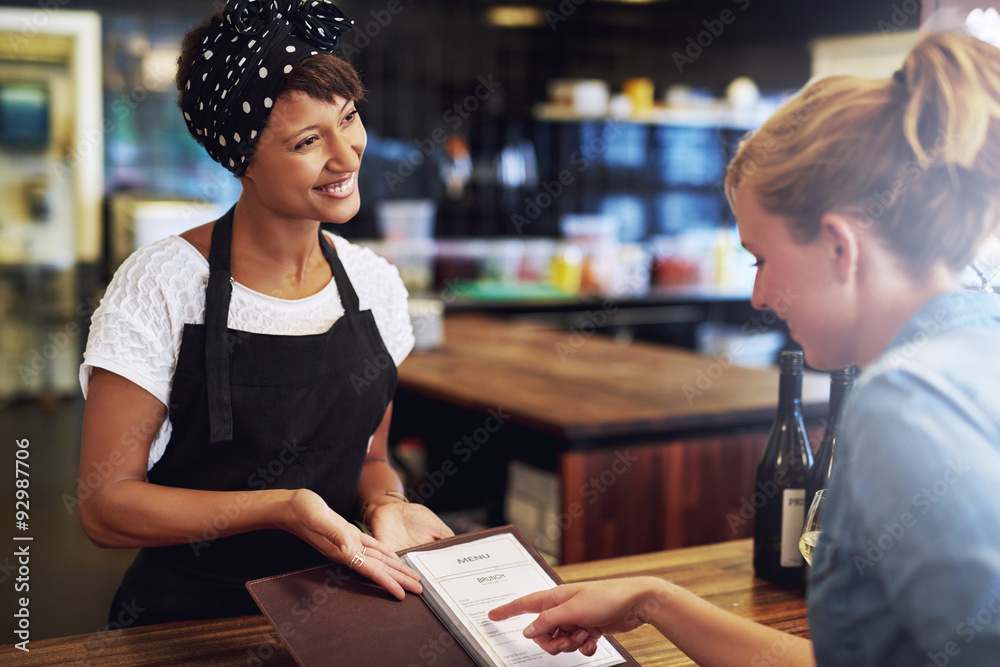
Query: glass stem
[986,286]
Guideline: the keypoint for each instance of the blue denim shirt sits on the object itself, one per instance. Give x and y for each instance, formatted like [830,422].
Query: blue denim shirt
[907,569]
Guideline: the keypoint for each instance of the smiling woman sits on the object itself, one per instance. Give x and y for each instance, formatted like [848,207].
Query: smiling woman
[237,342]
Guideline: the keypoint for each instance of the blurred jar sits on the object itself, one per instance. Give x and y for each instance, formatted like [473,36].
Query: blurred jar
[632,277]
[680,260]
[586,97]
[566,272]
[672,270]
[537,259]
[734,264]
[640,92]
[414,259]
[458,260]
[426,316]
[503,259]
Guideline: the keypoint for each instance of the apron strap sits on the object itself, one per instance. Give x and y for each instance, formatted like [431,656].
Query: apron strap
[348,297]
[217,297]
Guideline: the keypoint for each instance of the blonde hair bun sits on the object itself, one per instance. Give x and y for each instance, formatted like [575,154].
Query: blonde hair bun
[915,156]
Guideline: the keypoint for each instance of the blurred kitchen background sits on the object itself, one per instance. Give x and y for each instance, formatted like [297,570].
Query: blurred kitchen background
[519,154]
[531,157]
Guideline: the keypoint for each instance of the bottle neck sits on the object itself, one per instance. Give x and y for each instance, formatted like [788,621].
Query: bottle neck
[789,393]
[838,392]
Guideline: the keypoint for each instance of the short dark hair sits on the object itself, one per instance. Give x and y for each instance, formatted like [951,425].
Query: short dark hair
[325,76]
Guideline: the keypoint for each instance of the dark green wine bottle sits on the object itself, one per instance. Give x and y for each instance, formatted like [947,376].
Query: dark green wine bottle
[781,480]
[819,475]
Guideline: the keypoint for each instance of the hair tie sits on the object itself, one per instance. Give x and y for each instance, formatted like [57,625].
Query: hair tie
[899,77]
[241,69]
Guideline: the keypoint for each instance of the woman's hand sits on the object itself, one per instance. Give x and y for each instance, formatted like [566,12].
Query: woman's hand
[575,616]
[313,521]
[400,525]
[392,520]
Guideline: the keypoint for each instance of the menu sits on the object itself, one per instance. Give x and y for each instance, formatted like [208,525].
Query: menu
[463,582]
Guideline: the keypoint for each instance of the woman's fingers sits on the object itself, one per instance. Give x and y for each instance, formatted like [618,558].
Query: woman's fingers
[345,544]
[388,557]
[533,603]
[373,560]
[566,642]
[394,581]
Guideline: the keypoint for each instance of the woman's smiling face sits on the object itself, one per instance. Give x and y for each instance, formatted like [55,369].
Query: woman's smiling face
[306,163]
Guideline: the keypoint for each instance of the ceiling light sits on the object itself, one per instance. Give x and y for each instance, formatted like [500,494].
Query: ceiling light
[515,16]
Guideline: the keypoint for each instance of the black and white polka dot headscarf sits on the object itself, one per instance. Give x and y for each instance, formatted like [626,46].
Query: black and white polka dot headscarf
[245,56]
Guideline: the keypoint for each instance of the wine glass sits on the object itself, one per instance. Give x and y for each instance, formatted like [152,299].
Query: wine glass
[986,263]
[813,526]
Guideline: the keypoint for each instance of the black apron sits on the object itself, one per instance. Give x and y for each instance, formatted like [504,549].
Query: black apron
[251,412]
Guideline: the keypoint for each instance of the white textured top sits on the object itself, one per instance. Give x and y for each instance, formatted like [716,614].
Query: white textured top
[136,330]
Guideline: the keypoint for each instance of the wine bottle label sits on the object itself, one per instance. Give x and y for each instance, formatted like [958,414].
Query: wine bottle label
[793,508]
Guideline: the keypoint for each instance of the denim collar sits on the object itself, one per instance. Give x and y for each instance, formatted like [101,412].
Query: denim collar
[946,312]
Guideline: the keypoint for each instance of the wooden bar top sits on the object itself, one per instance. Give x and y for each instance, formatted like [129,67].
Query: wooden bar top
[721,573]
[578,384]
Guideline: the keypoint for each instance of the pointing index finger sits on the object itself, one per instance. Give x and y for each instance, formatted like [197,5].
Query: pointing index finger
[532,603]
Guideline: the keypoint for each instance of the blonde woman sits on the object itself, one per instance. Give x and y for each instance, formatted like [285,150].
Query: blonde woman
[865,198]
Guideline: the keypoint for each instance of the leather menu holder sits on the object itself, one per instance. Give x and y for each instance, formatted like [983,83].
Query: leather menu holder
[327,615]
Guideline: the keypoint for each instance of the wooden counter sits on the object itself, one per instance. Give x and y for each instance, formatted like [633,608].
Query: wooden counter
[582,386]
[721,573]
[654,447]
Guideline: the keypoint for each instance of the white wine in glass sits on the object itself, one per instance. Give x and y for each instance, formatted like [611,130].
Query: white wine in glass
[807,543]
[986,263]
[813,526]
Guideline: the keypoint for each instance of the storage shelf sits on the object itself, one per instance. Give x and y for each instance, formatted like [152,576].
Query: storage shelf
[693,117]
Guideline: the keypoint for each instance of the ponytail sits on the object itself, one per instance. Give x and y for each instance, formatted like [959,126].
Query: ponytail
[916,157]
[952,81]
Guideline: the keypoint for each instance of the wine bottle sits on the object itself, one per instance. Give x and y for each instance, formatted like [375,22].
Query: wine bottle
[781,481]
[819,475]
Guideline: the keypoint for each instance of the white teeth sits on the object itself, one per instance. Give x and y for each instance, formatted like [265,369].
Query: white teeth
[341,187]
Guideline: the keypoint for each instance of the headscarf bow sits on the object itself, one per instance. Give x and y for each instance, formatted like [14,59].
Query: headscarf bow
[240,71]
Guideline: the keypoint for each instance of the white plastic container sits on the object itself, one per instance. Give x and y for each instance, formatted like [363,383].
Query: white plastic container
[754,349]
[403,219]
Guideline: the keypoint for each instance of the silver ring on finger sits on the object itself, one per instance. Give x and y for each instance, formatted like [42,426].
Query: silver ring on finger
[357,561]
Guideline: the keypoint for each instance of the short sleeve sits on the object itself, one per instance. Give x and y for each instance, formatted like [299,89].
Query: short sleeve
[135,332]
[380,289]
[925,476]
